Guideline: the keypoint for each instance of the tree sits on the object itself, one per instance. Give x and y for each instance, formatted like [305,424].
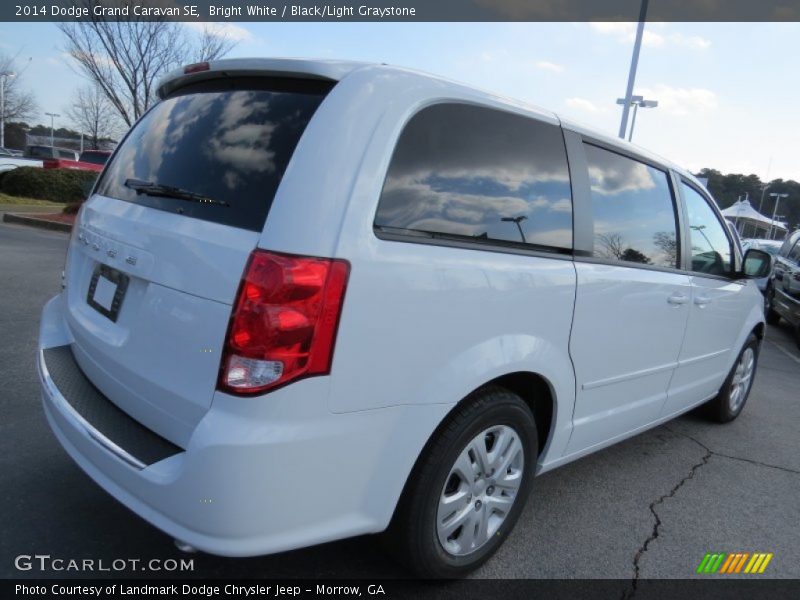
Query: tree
[610,245]
[93,114]
[126,59]
[726,189]
[18,104]
[633,255]
[668,244]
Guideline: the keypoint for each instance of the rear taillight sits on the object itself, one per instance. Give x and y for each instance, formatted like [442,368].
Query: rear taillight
[284,321]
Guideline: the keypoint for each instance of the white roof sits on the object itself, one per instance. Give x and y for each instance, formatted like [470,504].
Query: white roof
[742,209]
[336,70]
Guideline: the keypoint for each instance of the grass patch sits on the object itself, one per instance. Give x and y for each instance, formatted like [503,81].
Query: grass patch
[22,201]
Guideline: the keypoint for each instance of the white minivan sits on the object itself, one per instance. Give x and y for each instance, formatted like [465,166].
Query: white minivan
[310,300]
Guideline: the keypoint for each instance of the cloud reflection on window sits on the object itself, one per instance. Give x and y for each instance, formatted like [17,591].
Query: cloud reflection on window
[231,145]
[472,171]
[634,218]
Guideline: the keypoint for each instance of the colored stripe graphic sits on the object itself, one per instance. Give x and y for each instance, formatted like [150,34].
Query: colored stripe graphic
[734,558]
[751,566]
[724,563]
[702,567]
[766,562]
[740,564]
[714,565]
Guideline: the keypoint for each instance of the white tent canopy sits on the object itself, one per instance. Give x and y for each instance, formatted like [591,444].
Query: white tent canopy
[741,210]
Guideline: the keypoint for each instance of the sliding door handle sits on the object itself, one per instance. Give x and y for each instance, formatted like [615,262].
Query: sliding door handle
[678,299]
[701,301]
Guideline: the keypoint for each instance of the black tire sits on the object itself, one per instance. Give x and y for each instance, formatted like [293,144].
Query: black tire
[770,315]
[412,537]
[722,409]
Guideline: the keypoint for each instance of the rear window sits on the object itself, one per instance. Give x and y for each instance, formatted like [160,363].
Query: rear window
[40,151]
[95,158]
[228,141]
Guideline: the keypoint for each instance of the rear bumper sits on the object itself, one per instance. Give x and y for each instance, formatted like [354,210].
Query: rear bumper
[259,475]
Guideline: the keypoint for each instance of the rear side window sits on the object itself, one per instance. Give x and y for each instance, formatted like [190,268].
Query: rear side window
[711,247]
[95,158]
[224,144]
[478,174]
[40,152]
[634,214]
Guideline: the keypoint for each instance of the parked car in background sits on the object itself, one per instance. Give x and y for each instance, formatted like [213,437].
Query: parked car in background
[59,163]
[336,298]
[95,157]
[50,152]
[770,246]
[63,158]
[8,163]
[783,288]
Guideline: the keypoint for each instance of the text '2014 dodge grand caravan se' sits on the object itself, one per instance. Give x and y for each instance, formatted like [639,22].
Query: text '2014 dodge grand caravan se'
[309,300]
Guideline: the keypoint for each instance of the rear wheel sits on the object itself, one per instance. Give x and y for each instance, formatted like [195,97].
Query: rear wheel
[468,488]
[734,393]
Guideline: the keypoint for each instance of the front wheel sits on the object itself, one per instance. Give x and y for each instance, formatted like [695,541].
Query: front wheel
[468,487]
[731,399]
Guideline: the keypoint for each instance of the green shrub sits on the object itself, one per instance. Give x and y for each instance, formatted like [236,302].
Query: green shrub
[57,185]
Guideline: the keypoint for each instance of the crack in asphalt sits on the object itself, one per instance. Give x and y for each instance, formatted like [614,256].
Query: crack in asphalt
[731,457]
[654,533]
[703,461]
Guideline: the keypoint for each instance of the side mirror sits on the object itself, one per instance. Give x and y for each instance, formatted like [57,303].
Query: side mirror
[757,264]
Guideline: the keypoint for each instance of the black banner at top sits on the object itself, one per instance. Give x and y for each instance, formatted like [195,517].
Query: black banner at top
[399,10]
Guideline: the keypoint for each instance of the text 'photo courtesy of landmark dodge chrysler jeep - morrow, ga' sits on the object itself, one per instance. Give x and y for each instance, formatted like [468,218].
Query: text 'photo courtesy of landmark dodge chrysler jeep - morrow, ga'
[339,298]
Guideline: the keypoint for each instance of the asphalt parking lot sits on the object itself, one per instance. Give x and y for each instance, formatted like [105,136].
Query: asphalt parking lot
[650,507]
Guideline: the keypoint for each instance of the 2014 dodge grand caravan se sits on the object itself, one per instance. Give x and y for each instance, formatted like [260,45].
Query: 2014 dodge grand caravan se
[310,300]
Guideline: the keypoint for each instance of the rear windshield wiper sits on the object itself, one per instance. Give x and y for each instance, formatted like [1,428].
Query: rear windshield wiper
[168,191]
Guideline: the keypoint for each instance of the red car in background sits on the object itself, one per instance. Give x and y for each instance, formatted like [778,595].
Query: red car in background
[90,160]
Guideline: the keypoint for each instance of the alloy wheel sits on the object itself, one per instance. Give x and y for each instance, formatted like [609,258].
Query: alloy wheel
[480,490]
[742,377]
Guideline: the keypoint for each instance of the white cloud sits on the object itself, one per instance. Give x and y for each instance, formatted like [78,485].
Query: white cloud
[549,66]
[690,41]
[233,32]
[582,104]
[681,101]
[626,32]
[499,54]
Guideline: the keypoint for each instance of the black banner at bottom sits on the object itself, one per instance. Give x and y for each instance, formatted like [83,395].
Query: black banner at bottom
[485,589]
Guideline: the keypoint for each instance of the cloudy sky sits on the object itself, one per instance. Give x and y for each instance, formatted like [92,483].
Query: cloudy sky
[728,92]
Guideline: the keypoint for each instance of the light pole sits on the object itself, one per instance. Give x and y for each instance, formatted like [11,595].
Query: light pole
[763,191]
[775,211]
[516,220]
[4,75]
[637,101]
[52,119]
[637,45]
